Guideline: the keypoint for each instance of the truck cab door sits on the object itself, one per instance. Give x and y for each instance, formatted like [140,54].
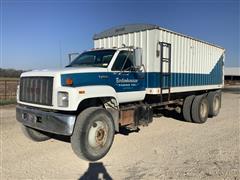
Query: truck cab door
[128,82]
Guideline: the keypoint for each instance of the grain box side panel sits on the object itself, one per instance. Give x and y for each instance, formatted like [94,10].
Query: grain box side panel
[194,63]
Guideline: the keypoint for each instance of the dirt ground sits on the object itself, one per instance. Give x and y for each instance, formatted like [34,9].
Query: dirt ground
[166,149]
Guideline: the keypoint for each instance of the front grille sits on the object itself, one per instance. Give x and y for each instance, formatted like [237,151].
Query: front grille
[36,90]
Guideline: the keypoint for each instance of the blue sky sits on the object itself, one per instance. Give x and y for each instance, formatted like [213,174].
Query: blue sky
[40,34]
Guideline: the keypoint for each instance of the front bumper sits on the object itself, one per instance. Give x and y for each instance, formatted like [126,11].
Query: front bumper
[52,122]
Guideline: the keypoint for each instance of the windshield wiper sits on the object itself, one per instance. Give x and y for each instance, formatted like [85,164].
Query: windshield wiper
[78,65]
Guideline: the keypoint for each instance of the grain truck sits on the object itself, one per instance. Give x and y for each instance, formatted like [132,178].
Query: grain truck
[132,70]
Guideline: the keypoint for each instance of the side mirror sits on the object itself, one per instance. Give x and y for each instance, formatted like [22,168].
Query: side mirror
[137,57]
[72,56]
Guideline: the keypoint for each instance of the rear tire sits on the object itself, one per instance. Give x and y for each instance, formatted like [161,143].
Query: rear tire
[214,100]
[93,134]
[34,135]
[200,109]
[187,105]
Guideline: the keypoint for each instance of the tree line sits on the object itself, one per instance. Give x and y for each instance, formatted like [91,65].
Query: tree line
[10,72]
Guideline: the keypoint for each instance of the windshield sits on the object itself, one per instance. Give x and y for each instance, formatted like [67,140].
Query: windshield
[99,58]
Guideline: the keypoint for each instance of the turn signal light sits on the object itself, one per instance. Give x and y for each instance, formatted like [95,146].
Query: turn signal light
[69,82]
[81,92]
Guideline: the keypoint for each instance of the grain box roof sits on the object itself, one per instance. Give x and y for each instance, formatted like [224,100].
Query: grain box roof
[130,28]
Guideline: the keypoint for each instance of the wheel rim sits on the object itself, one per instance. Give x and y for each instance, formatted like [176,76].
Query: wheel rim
[203,110]
[216,104]
[97,135]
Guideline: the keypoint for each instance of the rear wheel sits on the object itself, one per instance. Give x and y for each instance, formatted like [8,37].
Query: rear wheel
[214,100]
[93,134]
[34,134]
[187,108]
[200,109]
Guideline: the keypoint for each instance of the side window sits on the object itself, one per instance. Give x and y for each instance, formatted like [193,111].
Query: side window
[120,60]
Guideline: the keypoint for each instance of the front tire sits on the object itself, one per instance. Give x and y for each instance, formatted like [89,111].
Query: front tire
[34,135]
[93,134]
[200,109]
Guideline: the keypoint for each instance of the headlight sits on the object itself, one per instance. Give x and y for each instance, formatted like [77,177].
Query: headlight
[62,99]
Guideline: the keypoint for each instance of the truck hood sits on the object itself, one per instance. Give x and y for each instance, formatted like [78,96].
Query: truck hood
[58,72]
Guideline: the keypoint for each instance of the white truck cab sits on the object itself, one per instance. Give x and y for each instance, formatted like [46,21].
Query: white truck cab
[131,70]
[99,70]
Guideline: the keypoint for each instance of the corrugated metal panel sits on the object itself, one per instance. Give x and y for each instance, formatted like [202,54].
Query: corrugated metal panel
[194,62]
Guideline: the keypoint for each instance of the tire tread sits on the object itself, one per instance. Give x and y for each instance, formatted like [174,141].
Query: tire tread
[187,105]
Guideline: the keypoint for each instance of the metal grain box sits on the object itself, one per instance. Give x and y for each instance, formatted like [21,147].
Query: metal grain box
[195,64]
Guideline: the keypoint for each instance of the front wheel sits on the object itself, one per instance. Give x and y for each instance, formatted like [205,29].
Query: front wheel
[93,134]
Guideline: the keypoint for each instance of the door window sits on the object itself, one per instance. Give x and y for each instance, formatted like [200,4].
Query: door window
[124,61]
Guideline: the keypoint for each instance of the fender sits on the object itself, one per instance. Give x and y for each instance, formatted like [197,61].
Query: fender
[99,91]
[86,92]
